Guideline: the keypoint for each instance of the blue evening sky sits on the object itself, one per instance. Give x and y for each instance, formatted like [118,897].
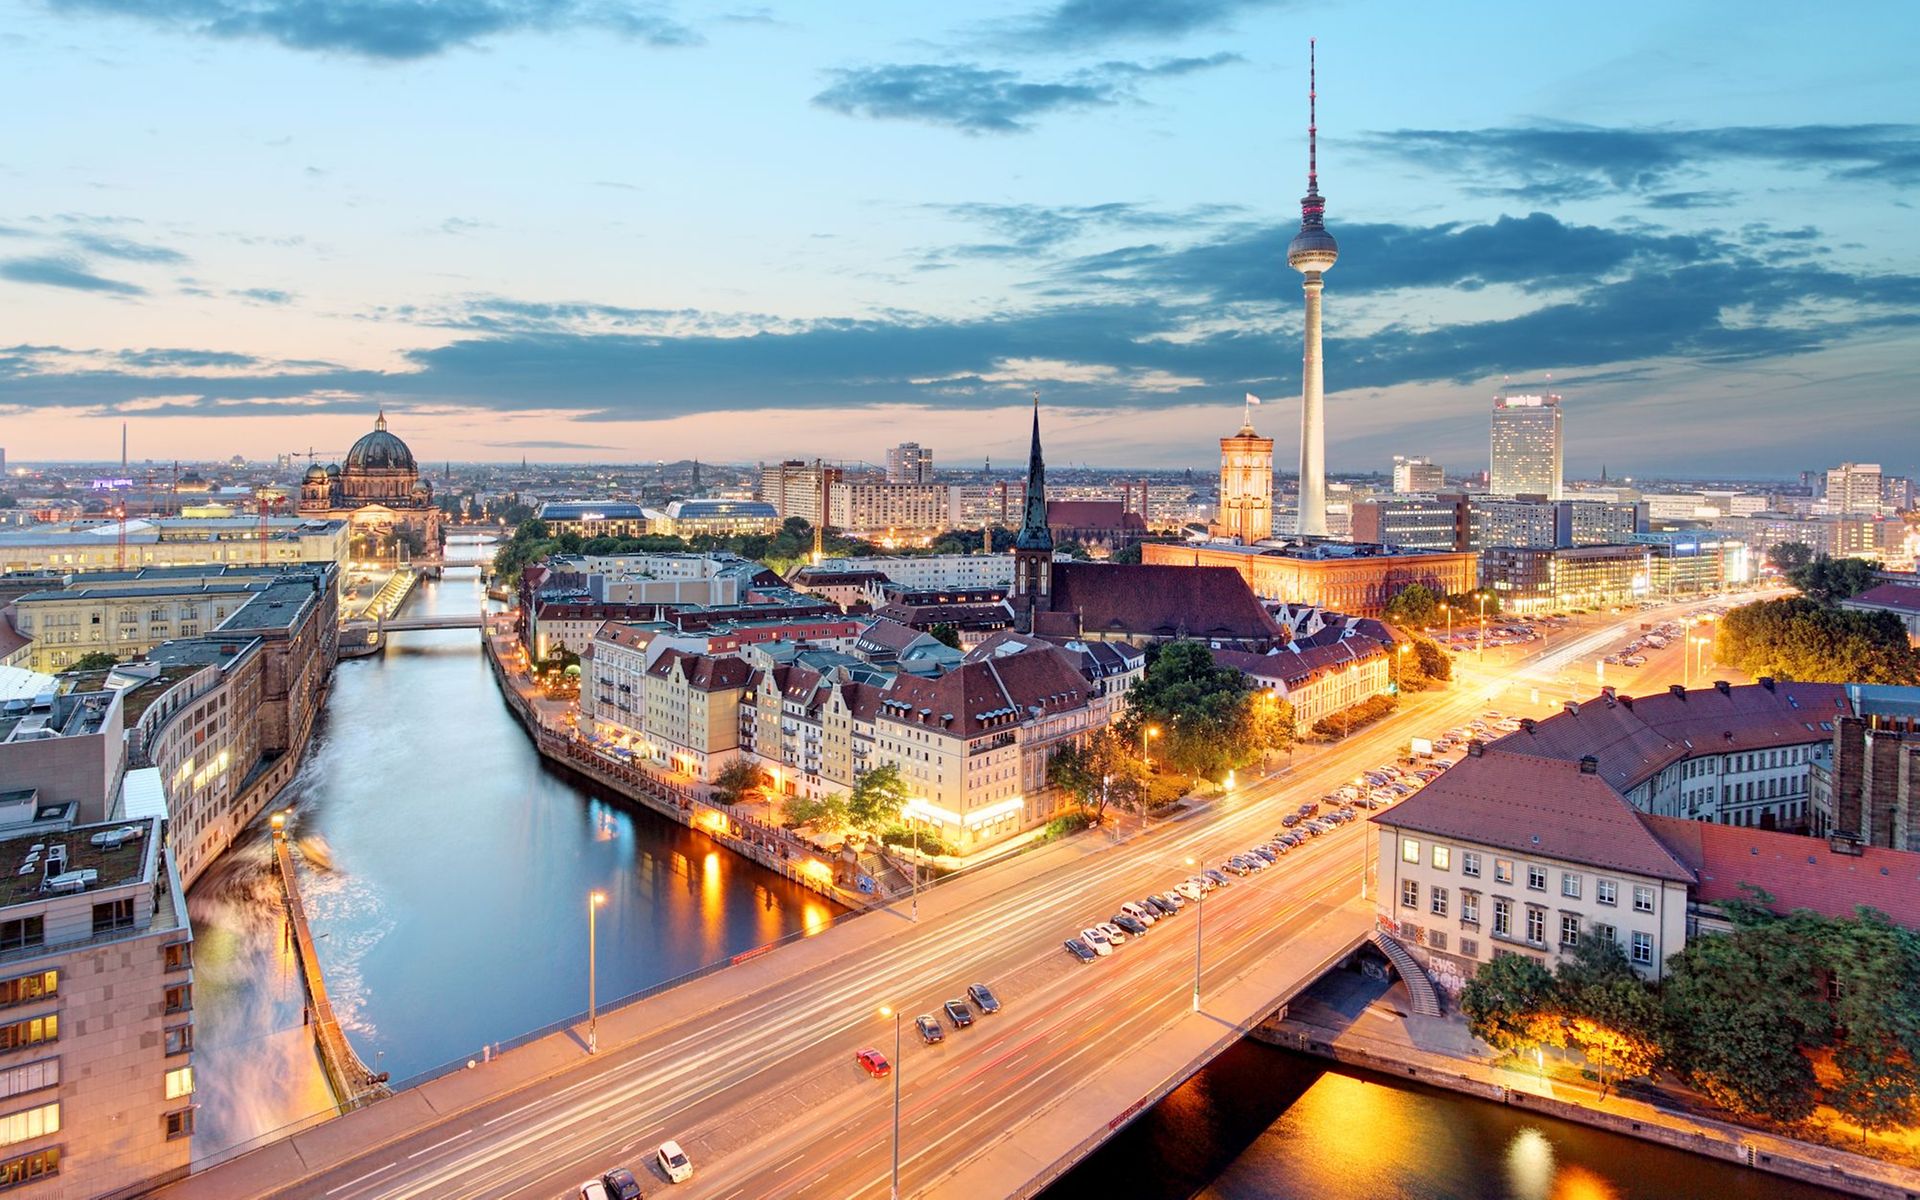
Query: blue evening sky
[602,230]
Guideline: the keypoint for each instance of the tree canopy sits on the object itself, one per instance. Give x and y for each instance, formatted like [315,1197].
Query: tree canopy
[1209,718]
[1416,605]
[1789,555]
[1828,580]
[1103,769]
[1799,638]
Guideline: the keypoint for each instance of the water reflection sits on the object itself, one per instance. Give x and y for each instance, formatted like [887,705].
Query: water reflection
[445,869]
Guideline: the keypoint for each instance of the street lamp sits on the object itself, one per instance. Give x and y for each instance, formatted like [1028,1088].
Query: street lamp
[1480,650]
[1151,731]
[895,1014]
[1199,919]
[594,900]
[1400,667]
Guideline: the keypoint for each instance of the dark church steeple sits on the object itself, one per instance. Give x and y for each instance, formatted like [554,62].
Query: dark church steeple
[1033,545]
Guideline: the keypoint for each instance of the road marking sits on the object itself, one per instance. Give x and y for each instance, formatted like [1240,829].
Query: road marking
[369,1175]
[450,1141]
[516,1112]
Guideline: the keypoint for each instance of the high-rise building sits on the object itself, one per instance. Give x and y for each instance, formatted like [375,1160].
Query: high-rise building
[798,489]
[1246,484]
[1417,475]
[1526,448]
[1312,252]
[867,507]
[1853,489]
[909,462]
[1439,522]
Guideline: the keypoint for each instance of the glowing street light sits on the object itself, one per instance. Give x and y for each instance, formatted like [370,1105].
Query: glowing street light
[1151,731]
[1199,918]
[594,900]
[895,1014]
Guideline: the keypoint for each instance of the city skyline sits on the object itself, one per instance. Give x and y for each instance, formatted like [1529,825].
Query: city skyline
[514,294]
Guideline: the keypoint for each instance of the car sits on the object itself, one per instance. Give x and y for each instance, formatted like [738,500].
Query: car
[1140,912]
[983,998]
[873,1062]
[1219,878]
[1190,889]
[930,1028]
[1238,866]
[1346,814]
[674,1161]
[1204,880]
[1175,899]
[1307,810]
[1098,940]
[1263,852]
[1081,950]
[593,1189]
[1115,933]
[1133,925]
[620,1184]
[1257,862]
[1158,907]
[1290,820]
[958,1012]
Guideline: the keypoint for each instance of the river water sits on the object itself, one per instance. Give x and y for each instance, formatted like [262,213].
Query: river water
[1265,1124]
[446,868]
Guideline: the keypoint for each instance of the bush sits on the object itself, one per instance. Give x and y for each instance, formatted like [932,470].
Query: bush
[1359,716]
[1066,823]
[929,843]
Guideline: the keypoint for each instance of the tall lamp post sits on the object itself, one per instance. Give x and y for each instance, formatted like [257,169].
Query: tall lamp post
[1148,731]
[1480,649]
[1199,920]
[594,900]
[1400,667]
[895,1014]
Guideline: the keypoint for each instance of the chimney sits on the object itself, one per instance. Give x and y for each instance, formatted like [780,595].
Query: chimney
[1626,701]
[1766,681]
[1527,724]
[1475,747]
[1589,765]
[1573,708]
[1678,689]
[1723,687]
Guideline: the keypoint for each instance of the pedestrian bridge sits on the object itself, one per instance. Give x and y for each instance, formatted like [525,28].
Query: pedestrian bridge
[471,620]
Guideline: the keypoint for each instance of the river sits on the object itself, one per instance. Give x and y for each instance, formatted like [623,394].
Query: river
[446,869]
[1265,1124]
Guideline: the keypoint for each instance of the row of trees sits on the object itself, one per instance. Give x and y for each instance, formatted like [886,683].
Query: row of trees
[1802,638]
[1423,607]
[1772,1020]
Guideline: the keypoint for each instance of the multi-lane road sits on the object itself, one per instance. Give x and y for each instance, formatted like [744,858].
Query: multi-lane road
[760,1084]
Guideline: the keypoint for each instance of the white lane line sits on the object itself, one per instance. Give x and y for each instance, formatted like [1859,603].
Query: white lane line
[369,1175]
[450,1141]
[516,1112]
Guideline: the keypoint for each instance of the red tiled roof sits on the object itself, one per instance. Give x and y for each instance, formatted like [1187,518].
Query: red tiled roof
[11,639]
[1161,602]
[621,633]
[978,696]
[704,672]
[1798,872]
[1303,663]
[1635,738]
[1539,806]
[1901,597]
[1109,515]
[889,634]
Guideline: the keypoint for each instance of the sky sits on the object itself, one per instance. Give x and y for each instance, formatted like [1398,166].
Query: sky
[620,230]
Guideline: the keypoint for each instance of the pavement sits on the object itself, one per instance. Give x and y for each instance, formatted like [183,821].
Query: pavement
[751,1068]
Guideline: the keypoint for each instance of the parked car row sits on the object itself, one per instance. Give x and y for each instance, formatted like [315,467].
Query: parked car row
[621,1183]
[1136,917]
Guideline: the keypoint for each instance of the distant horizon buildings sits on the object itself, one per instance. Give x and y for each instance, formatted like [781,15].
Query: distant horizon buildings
[909,462]
[1417,474]
[1526,447]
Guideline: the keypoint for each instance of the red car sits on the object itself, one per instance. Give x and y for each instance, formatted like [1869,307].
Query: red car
[874,1063]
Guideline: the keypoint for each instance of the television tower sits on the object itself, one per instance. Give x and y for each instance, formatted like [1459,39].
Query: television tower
[1311,252]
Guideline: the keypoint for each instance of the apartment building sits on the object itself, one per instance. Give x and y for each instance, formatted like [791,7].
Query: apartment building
[866,506]
[172,541]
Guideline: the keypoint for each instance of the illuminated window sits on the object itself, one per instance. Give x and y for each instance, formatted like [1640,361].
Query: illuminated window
[29,1167]
[31,1123]
[1409,850]
[30,1032]
[1502,917]
[26,988]
[1502,871]
[30,1077]
[179,1082]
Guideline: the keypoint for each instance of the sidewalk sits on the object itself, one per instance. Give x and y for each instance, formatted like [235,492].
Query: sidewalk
[1343,1021]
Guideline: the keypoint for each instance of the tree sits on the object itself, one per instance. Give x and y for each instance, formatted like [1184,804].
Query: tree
[1198,707]
[946,634]
[1467,605]
[1099,771]
[1129,554]
[1270,722]
[740,780]
[1609,1014]
[1829,580]
[1800,638]
[1416,604]
[876,799]
[827,814]
[1430,659]
[1789,556]
[1505,1000]
[94,660]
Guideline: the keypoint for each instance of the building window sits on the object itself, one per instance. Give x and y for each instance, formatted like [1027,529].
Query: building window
[1437,939]
[32,1123]
[1642,949]
[29,1167]
[178,956]
[1437,900]
[1606,933]
[24,989]
[1569,885]
[1536,925]
[179,1082]
[1642,899]
[179,1123]
[1470,947]
[1442,858]
[1502,917]
[1409,894]
[179,998]
[179,1039]
[1409,850]
[21,933]
[113,915]
[31,1032]
[1536,878]
[1569,929]
[30,1077]
[1469,907]
[1502,871]
[1470,864]
[1606,891]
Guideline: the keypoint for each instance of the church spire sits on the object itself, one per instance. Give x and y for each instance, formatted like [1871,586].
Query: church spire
[1034,534]
[380,422]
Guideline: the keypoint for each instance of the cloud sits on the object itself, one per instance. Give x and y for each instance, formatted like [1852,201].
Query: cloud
[1558,163]
[125,249]
[263,295]
[390,30]
[977,99]
[1024,229]
[1078,24]
[64,272]
[549,446]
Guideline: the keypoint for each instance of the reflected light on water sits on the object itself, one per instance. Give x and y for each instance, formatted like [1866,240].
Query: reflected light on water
[1578,1183]
[713,917]
[1530,1165]
[815,917]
